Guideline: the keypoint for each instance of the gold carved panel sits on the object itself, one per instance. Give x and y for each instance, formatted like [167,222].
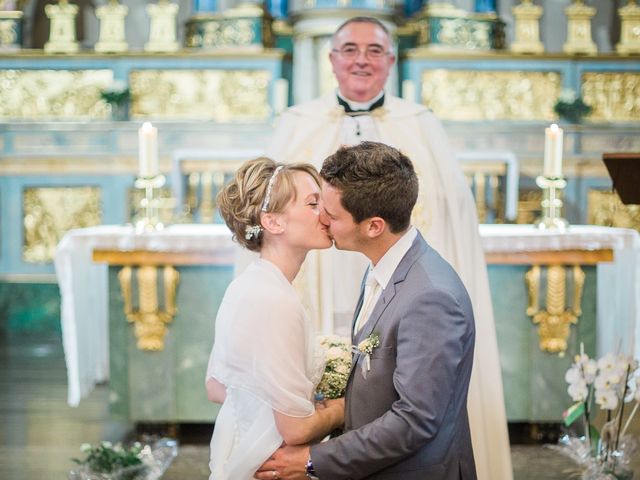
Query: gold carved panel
[614,96]
[219,95]
[53,94]
[50,212]
[606,208]
[490,95]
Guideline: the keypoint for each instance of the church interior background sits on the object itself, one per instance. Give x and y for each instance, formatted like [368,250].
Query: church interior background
[83,260]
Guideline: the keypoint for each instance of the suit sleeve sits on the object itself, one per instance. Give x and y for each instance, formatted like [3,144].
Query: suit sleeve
[431,338]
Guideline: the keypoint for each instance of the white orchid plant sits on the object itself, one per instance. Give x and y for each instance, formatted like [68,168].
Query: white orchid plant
[611,383]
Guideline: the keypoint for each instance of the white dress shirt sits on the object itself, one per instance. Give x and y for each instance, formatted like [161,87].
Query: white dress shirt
[382,273]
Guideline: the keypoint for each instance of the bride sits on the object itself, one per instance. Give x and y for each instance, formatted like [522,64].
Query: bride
[263,366]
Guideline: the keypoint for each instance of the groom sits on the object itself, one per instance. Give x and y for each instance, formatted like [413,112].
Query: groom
[406,405]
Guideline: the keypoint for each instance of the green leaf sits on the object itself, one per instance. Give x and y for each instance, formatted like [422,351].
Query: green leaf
[572,413]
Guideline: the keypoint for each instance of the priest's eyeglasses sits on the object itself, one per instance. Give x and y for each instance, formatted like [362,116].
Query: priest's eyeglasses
[351,52]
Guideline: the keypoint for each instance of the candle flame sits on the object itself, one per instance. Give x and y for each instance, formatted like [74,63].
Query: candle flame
[554,127]
[146,126]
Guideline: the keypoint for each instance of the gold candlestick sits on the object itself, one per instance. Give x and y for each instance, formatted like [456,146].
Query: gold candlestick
[527,28]
[551,204]
[149,220]
[112,38]
[629,29]
[162,31]
[62,36]
[579,29]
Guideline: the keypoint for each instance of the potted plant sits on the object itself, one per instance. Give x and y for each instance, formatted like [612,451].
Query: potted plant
[571,107]
[610,384]
[110,462]
[117,96]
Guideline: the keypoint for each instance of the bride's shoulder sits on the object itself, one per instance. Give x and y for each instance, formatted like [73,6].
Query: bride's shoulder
[262,284]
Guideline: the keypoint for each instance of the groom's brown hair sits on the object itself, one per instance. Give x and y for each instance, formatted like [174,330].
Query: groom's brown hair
[375,180]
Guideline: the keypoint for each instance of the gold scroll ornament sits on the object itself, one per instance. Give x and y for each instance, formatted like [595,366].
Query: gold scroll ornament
[555,321]
[150,323]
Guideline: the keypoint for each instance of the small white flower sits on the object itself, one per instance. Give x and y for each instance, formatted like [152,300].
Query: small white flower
[117,86]
[567,95]
[106,444]
[634,387]
[573,375]
[607,380]
[607,363]
[606,398]
[590,369]
[578,391]
[335,352]
[85,447]
[252,231]
[632,390]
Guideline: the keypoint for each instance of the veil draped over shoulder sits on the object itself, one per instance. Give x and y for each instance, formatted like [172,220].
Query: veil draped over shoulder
[265,356]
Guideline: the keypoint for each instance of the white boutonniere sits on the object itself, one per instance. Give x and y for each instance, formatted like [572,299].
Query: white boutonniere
[366,347]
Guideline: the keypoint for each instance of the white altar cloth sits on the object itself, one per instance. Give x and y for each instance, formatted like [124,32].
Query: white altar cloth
[618,288]
[83,284]
[83,289]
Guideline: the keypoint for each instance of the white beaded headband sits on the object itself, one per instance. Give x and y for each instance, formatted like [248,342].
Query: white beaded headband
[272,180]
[252,231]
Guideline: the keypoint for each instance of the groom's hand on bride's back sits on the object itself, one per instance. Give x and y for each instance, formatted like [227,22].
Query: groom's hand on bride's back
[289,462]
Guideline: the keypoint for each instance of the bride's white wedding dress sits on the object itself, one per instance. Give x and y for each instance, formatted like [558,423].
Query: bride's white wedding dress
[265,354]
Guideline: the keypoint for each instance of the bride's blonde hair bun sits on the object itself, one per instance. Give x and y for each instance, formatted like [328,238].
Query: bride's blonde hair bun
[241,200]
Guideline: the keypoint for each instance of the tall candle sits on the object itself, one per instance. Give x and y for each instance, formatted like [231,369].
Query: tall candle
[280,95]
[147,151]
[552,152]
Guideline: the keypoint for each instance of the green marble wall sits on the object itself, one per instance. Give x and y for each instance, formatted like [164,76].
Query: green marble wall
[533,380]
[29,308]
[167,385]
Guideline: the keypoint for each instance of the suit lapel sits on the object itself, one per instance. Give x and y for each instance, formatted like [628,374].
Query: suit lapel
[387,295]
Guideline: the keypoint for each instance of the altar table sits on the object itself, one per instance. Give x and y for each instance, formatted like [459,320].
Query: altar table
[84,284]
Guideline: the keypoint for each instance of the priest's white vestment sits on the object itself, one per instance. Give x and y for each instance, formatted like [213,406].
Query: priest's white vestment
[445,214]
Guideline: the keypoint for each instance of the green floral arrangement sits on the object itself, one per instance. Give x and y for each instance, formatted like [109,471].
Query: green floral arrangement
[337,352]
[106,458]
[571,107]
[117,93]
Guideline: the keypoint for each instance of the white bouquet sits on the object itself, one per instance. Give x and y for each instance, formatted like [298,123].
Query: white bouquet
[337,366]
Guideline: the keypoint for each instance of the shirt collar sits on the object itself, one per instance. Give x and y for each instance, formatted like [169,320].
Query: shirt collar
[357,106]
[383,271]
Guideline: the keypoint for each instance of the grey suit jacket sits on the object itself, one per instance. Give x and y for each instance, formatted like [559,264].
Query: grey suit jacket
[407,419]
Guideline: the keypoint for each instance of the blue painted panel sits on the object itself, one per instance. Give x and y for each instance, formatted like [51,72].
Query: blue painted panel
[114,211]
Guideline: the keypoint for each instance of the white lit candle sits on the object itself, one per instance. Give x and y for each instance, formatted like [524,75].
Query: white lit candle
[147,151]
[409,90]
[552,152]
[280,95]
